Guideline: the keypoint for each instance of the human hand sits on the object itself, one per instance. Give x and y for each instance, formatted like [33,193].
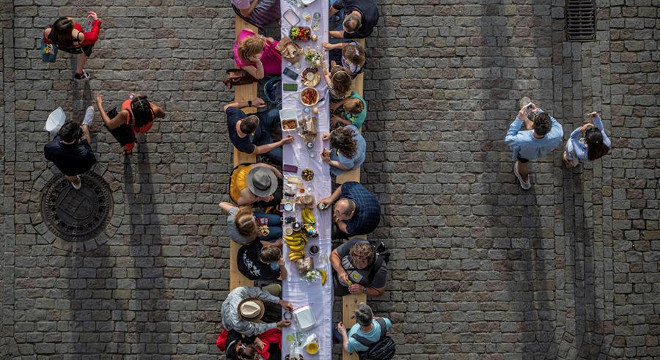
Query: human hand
[325,155]
[355,288]
[586,126]
[522,114]
[258,102]
[99,99]
[280,262]
[287,305]
[326,203]
[325,136]
[268,198]
[93,15]
[341,328]
[287,140]
[326,45]
[343,276]
[283,323]
[260,344]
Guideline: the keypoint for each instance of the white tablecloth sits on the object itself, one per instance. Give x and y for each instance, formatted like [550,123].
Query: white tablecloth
[295,289]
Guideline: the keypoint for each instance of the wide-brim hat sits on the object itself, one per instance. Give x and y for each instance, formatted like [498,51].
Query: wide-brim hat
[251,309]
[262,181]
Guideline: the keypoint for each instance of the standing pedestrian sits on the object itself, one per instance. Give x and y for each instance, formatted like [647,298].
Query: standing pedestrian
[540,136]
[136,116]
[594,145]
[67,35]
[70,150]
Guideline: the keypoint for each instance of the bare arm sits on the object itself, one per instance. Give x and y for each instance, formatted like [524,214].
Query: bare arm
[226,207]
[115,122]
[283,272]
[256,71]
[248,11]
[337,34]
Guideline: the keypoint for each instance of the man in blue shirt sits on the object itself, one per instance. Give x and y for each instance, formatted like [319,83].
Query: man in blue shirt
[540,136]
[251,133]
[357,210]
[367,329]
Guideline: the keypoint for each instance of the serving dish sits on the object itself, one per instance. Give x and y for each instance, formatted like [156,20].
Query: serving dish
[311,76]
[309,96]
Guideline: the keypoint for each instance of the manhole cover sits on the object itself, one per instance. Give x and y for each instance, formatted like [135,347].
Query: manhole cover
[77,215]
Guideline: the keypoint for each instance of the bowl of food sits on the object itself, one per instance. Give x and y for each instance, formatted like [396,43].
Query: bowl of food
[309,96]
[289,119]
[300,33]
[311,76]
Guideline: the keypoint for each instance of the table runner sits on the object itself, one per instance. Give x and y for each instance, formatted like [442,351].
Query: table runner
[296,289]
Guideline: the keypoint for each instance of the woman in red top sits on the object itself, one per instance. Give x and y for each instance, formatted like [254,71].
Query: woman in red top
[136,116]
[68,36]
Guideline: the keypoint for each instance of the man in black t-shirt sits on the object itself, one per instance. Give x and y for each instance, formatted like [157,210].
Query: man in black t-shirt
[263,262]
[70,150]
[251,133]
[360,19]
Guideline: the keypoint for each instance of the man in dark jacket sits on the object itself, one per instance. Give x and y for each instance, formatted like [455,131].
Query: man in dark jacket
[70,150]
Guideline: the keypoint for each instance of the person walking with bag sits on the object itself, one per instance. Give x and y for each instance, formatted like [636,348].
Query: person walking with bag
[67,35]
[136,116]
[70,150]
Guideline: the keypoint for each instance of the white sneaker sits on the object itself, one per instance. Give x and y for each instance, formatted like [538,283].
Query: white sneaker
[523,184]
[79,183]
[89,116]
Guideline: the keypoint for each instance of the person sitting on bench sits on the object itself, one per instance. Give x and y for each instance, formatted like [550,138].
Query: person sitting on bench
[358,269]
[252,310]
[261,261]
[356,212]
[367,329]
[348,149]
[255,184]
[251,133]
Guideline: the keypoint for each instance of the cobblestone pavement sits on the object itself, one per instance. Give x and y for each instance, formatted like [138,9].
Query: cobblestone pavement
[480,268]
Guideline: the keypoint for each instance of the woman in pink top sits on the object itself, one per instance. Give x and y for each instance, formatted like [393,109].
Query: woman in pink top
[256,54]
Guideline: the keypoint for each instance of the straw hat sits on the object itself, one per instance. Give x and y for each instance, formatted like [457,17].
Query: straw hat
[251,309]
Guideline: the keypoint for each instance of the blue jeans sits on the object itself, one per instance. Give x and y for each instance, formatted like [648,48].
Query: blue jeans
[267,120]
[274,226]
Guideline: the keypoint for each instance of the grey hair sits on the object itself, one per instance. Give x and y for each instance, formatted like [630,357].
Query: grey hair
[347,20]
[363,314]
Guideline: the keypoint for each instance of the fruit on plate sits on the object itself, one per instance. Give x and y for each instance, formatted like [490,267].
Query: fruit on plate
[300,33]
[324,276]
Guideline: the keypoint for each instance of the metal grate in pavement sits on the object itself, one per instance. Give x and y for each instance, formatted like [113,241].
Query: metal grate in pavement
[580,20]
[77,215]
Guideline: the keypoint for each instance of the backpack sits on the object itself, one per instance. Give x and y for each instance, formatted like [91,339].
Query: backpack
[383,349]
[382,254]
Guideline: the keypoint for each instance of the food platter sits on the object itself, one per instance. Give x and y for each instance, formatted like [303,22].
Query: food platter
[309,96]
[311,77]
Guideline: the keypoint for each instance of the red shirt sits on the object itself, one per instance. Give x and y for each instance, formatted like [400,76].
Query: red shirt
[90,37]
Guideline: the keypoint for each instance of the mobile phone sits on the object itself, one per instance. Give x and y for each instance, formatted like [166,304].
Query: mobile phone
[289,168]
[290,87]
[290,74]
[112,113]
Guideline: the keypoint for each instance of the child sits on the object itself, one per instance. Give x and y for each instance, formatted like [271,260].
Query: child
[350,55]
[354,111]
[338,81]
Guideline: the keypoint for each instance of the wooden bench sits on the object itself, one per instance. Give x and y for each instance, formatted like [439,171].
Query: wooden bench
[350,302]
[241,93]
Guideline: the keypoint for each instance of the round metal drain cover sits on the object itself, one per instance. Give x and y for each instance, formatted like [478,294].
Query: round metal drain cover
[77,215]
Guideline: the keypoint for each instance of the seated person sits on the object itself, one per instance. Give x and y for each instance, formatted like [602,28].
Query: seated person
[254,183]
[257,55]
[259,13]
[251,133]
[243,224]
[350,111]
[261,261]
[357,211]
[358,269]
[350,55]
[339,82]
[268,345]
[366,330]
[252,310]
[360,18]
[347,149]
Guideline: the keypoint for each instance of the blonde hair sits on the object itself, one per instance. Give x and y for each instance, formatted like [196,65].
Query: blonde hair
[354,106]
[244,221]
[251,46]
[354,53]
